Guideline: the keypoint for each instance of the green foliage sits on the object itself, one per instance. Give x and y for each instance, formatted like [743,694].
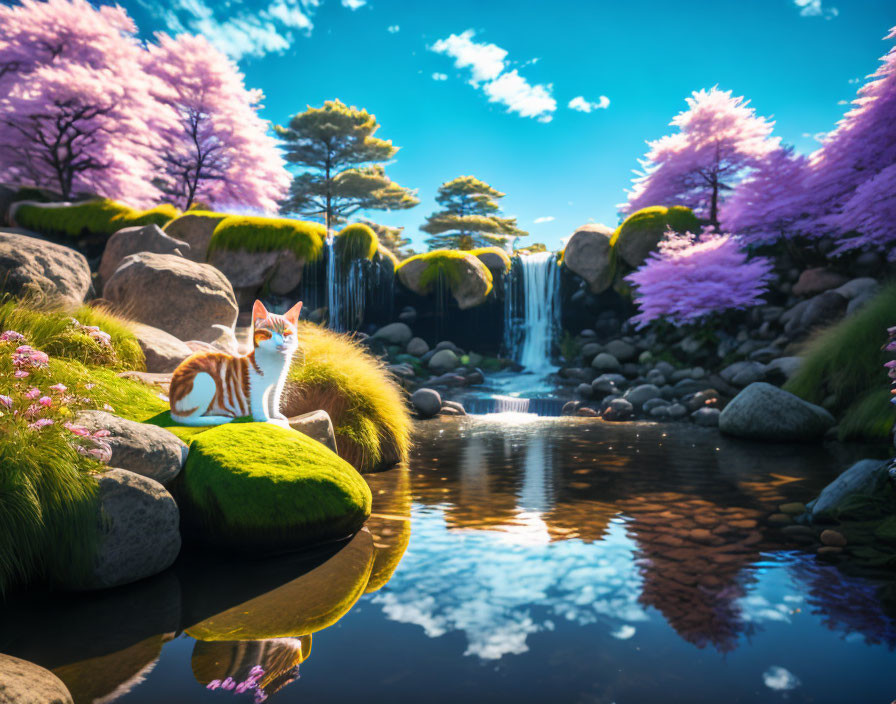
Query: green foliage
[260,486]
[391,239]
[355,241]
[845,361]
[536,248]
[367,407]
[53,331]
[496,251]
[94,217]
[470,216]
[259,234]
[445,264]
[337,143]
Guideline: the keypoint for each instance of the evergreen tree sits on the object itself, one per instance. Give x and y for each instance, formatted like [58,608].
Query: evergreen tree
[470,217]
[392,238]
[336,143]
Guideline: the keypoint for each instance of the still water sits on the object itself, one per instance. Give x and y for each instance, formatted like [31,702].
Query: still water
[517,559]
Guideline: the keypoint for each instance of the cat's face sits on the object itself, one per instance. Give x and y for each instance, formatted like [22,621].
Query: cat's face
[275,334]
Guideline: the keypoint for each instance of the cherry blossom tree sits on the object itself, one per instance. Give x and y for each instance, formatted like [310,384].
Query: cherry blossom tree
[220,152]
[690,278]
[77,110]
[719,140]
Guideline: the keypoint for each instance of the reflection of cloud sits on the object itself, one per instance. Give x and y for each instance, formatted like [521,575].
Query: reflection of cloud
[757,608]
[779,679]
[455,580]
[624,632]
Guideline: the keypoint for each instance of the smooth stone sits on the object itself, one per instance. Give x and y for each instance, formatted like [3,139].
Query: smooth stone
[676,411]
[864,478]
[780,519]
[584,390]
[130,240]
[427,402]
[317,425]
[765,412]
[622,350]
[794,508]
[639,395]
[707,417]
[833,538]
[443,361]
[163,351]
[458,408]
[587,253]
[23,682]
[417,346]
[606,362]
[619,409]
[395,334]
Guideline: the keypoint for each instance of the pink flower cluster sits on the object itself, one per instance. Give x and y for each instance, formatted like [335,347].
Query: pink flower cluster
[93,332]
[891,365]
[247,685]
[692,277]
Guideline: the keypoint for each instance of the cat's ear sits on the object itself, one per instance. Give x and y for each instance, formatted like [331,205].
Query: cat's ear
[292,315]
[259,312]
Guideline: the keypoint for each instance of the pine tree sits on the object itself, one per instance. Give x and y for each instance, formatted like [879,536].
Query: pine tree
[392,238]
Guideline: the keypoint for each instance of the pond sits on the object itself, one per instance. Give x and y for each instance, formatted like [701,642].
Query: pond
[517,559]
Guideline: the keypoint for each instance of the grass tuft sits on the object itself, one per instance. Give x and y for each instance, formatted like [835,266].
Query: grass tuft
[845,361]
[258,234]
[93,217]
[367,407]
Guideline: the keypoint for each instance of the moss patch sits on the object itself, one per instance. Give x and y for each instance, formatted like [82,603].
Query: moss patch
[336,374]
[258,234]
[259,486]
[846,361]
[447,264]
[498,252]
[356,241]
[93,217]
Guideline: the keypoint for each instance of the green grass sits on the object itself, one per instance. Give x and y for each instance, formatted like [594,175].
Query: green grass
[846,361]
[259,486]
[446,263]
[52,331]
[258,234]
[367,407]
[497,251]
[94,217]
[355,241]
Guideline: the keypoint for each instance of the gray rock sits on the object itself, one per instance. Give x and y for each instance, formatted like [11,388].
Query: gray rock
[428,402]
[417,346]
[652,403]
[708,417]
[604,385]
[23,682]
[317,425]
[584,390]
[448,345]
[656,378]
[618,409]
[457,408]
[676,411]
[765,412]
[443,361]
[587,254]
[184,298]
[31,266]
[279,270]
[141,448]
[785,367]
[855,288]
[130,240]
[659,412]
[470,284]
[864,478]
[686,387]
[138,522]
[162,350]
[590,350]
[820,310]
[196,231]
[622,350]
[639,395]
[403,370]
[395,334]
[664,368]
[701,399]
[605,362]
[743,373]
[570,408]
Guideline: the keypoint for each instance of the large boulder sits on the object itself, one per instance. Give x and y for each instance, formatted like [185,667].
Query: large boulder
[394,334]
[850,495]
[817,280]
[588,254]
[643,230]
[196,230]
[163,351]
[138,533]
[23,682]
[427,402]
[130,240]
[279,270]
[470,281]
[765,412]
[262,487]
[31,266]
[184,298]
[143,449]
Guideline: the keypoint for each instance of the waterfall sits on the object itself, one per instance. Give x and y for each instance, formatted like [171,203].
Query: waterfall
[532,311]
[332,284]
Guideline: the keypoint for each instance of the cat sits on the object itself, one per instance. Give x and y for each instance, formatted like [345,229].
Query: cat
[211,388]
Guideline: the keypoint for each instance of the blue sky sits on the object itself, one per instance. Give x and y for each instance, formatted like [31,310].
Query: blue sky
[485,87]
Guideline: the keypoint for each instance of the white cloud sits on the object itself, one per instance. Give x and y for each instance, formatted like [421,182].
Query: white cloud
[546,218]
[779,679]
[440,77]
[393,28]
[353,4]
[514,91]
[855,80]
[245,32]
[485,61]
[814,8]
[581,105]
[818,136]
[624,632]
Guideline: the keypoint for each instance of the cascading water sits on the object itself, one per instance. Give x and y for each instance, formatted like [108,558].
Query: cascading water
[532,311]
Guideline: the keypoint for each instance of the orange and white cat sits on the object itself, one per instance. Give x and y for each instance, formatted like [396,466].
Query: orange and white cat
[210,388]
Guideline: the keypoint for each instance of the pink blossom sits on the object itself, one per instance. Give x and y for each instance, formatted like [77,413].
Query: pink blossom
[21,374]
[101,453]
[40,423]
[12,336]
[59,388]
[45,401]
[228,683]
[102,433]
[79,430]
[32,393]
[5,401]
[33,411]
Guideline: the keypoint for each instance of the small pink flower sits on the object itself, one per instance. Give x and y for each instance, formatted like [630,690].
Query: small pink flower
[107,407]
[21,374]
[79,430]
[33,411]
[101,454]
[32,393]
[228,683]
[12,336]
[59,388]
[5,401]
[102,433]
[214,684]
[40,423]
[45,401]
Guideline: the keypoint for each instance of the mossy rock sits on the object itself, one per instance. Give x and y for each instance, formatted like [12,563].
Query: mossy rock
[100,217]
[258,486]
[495,258]
[259,234]
[355,241]
[642,231]
[306,605]
[469,280]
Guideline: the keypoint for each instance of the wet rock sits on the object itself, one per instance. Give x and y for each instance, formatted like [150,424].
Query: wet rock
[820,310]
[765,412]
[622,350]
[702,399]
[639,395]
[417,346]
[584,390]
[833,538]
[408,315]
[447,379]
[317,425]
[619,409]
[31,266]
[570,408]
[586,412]
[443,361]
[395,334]
[427,402]
[605,362]
[453,408]
[742,374]
[656,378]
[590,350]
[707,417]
[448,345]
[783,367]
[652,403]
[144,449]
[780,519]
[829,552]
[866,478]
[676,411]
[23,682]
[794,508]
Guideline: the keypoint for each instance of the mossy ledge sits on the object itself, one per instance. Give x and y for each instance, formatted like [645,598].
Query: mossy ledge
[93,217]
[259,234]
[446,263]
[355,241]
[257,486]
[495,251]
